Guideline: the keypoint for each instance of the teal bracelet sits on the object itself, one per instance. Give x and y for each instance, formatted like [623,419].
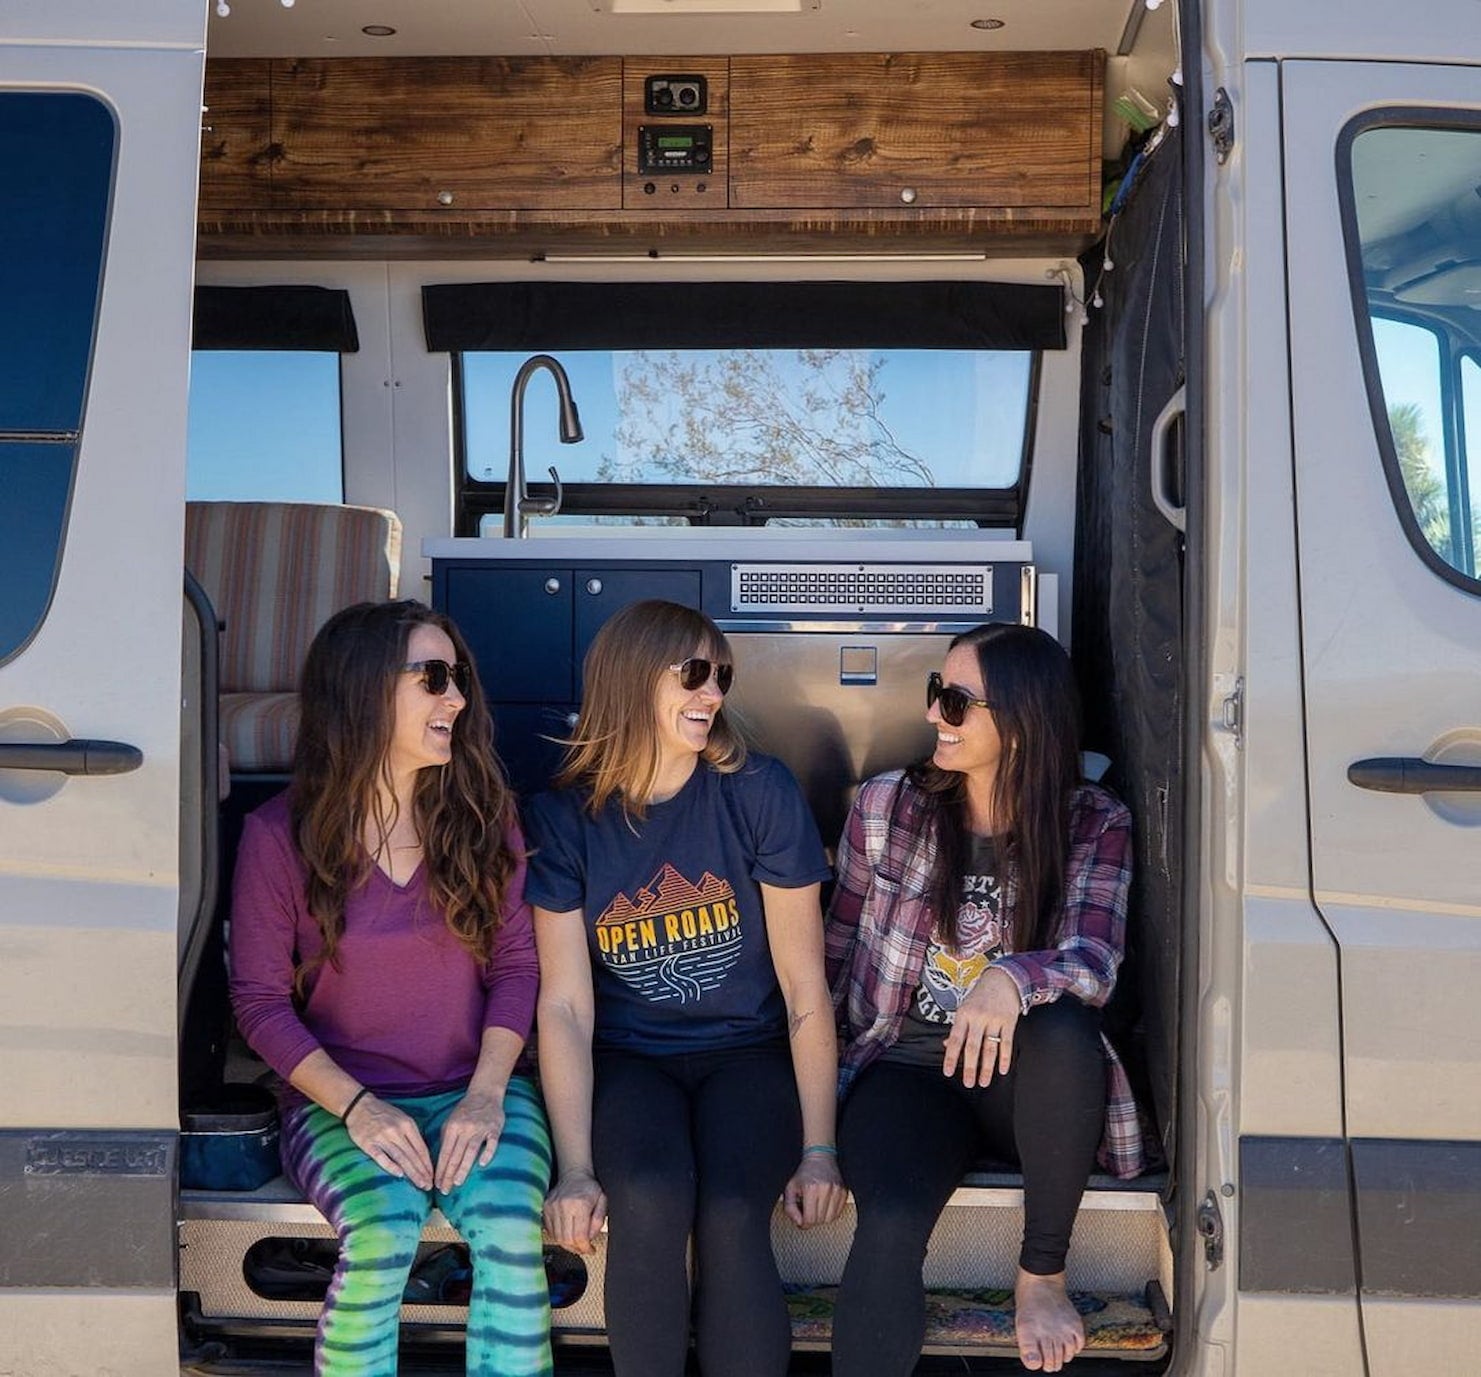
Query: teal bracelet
[827,1149]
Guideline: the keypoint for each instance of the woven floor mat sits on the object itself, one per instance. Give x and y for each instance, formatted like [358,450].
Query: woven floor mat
[983,1320]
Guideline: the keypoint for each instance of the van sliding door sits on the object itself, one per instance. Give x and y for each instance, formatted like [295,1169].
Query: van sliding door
[1383,218]
[99,138]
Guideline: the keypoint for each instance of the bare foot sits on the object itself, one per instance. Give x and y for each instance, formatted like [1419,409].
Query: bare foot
[1048,1327]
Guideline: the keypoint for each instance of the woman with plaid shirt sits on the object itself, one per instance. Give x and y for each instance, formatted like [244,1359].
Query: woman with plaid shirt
[974,892]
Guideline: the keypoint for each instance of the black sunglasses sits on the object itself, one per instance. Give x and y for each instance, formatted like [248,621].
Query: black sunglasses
[437,674]
[695,673]
[954,701]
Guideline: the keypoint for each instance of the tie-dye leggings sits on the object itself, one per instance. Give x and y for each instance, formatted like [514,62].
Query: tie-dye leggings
[379,1218]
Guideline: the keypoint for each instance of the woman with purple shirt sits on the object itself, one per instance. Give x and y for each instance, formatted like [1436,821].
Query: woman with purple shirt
[382,963]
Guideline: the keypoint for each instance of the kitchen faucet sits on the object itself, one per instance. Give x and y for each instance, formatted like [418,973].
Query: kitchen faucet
[518,504]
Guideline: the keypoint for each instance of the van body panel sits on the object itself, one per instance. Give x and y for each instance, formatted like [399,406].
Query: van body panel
[89,866]
[86,1332]
[1289,1072]
[1398,880]
[1436,31]
[1316,1336]
[1391,660]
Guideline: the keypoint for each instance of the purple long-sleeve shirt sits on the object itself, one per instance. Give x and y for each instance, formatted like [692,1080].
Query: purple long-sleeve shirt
[405,1011]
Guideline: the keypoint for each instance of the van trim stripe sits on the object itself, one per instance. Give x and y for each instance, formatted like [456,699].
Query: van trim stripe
[1413,1205]
[102,1200]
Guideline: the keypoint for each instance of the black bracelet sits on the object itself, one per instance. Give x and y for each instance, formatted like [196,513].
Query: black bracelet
[359,1095]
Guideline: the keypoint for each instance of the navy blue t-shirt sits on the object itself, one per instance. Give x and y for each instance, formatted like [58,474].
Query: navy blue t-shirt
[672,902]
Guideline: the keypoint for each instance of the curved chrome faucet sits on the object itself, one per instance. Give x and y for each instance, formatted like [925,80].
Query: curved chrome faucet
[518,504]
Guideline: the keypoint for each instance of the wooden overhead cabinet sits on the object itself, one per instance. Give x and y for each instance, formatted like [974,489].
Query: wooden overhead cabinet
[923,131]
[435,134]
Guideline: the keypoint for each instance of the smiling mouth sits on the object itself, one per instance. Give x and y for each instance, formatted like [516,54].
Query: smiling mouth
[942,739]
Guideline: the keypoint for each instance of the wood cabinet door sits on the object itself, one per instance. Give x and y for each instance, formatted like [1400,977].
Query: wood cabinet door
[915,129]
[478,133]
[236,135]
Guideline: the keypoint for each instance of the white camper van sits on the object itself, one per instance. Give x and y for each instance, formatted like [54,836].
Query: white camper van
[1156,323]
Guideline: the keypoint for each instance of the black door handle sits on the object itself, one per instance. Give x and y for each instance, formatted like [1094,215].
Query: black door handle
[1407,774]
[75,757]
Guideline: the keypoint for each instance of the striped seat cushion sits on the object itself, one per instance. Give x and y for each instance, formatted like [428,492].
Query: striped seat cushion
[258,730]
[275,573]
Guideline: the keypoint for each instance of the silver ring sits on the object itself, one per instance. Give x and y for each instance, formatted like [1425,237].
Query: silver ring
[991,1037]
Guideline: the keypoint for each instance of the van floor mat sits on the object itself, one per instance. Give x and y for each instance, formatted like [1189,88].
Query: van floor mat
[981,1321]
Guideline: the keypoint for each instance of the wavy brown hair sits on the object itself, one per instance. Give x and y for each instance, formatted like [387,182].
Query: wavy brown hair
[1027,679]
[613,750]
[341,778]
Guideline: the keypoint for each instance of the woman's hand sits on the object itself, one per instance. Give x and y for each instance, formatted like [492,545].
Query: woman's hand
[815,1194]
[981,1038]
[470,1135]
[391,1139]
[575,1211]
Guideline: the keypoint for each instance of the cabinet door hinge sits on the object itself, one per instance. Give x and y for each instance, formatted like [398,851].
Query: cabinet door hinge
[1221,126]
[1211,1230]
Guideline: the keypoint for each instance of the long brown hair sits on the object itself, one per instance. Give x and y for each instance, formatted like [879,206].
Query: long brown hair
[1027,679]
[613,750]
[341,778]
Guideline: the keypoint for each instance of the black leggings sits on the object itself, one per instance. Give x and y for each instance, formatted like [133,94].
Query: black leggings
[908,1135]
[700,1143]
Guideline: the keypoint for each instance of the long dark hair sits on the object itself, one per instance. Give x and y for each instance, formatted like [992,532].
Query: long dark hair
[1027,679]
[613,750]
[340,781]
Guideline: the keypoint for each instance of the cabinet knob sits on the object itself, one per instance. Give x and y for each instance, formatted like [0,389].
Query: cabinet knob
[593,586]
[445,198]
[552,585]
[907,194]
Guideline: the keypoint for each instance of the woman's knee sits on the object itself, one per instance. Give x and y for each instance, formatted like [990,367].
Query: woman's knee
[1060,1033]
[381,1242]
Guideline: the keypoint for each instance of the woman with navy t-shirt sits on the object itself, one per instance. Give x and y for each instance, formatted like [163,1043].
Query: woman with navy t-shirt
[687,1046]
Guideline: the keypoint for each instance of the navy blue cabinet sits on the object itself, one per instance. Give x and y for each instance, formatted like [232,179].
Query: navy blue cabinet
[528,627]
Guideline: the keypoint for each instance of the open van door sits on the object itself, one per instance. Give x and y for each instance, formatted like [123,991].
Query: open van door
[1383,224]
[99,125]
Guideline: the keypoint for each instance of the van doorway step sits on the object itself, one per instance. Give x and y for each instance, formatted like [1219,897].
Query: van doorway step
[980,1321]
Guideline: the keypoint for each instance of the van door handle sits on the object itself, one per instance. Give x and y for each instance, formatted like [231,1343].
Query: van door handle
[1175,514]
[75,757]
[1408,774]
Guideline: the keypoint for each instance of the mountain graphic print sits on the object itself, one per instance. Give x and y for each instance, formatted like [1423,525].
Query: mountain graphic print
[673,939]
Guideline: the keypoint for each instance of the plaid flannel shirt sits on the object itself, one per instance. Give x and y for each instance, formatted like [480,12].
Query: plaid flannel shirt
[880,922]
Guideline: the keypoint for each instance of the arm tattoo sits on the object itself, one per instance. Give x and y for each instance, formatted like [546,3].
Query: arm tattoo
[797,1021]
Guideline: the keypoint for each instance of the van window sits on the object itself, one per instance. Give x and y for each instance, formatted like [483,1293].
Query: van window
[56,171]
[1414,220]
[265,426]
[745,429]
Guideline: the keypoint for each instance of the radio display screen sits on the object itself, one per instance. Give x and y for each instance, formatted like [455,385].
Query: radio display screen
[675,141]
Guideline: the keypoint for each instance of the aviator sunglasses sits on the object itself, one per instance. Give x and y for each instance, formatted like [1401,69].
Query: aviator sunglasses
[694,673]
[437,674]
[954,701]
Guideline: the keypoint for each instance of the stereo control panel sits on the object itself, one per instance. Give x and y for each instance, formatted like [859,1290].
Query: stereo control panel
[668,148]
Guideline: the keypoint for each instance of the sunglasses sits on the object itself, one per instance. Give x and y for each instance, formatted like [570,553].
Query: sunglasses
[694,673]
[954,701]
[438,674]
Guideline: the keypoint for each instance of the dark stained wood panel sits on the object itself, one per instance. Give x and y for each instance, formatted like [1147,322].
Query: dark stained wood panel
[455,134]
[914,131]
[236,135]
[684,193]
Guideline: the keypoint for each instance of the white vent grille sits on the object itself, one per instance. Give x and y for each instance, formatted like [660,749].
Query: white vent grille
[884,588]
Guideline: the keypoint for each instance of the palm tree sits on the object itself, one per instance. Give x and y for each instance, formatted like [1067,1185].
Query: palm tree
[1426,489]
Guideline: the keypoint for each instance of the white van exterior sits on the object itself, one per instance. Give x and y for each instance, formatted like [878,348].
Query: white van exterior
[1324,1197]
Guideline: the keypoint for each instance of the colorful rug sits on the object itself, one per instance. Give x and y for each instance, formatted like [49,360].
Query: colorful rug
[983,1320]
